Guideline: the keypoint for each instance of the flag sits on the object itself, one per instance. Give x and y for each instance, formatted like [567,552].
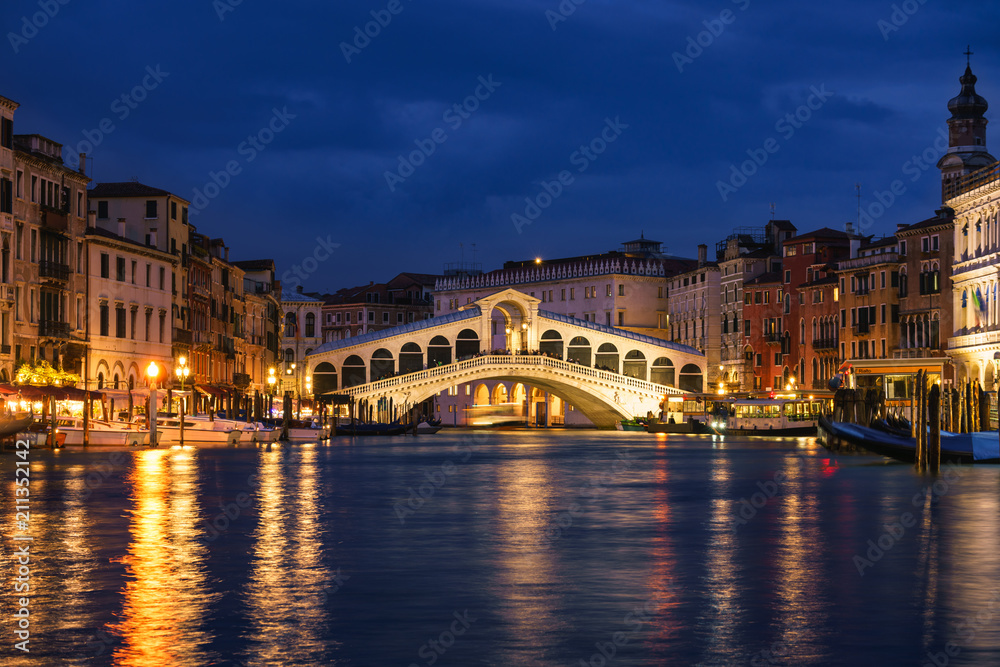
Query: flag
[980,304]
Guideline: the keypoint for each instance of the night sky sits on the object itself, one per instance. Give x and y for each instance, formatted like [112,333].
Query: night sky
[612,117]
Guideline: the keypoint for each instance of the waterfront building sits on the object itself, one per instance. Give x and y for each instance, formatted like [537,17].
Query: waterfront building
[44,264]
[695,312]
[764,346]
[300,334]
[869,301]
[128,309]
[819,314]
[746,253]
[354,311]
[261,321]
[7,287]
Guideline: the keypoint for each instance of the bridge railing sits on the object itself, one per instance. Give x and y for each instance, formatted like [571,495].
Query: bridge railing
[512,360]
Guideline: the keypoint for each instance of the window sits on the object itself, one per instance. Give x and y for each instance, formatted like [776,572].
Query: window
[882,312]
[163,321]
[572,293]
[120,321]
[163,278]
[746,298]
[746,328]
[925,244]
[767,297]
[149,318]
[6,196]
[843,317]
[134,264]
[105,265]
[7,133]
[608,291]
[621,290]
[134,313]
[148,267]
[19,184]
[659,292]
[934,243]
[150,209]
[102,210]
[120,269]
[621,318]
[881,279]
[371,315]
[173,210]
[902,247]
[385,318]
[788,276]
[34,244]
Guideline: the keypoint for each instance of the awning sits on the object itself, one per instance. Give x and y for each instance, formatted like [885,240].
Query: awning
[209,390]
[34,392]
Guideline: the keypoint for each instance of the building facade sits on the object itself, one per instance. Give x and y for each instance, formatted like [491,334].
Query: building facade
[695,308]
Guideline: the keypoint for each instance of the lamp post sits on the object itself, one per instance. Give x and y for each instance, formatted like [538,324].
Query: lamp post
[152,371]
[524,336]
[182,371]
[271,381]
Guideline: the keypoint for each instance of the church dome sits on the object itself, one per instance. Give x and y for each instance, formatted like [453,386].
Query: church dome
[968,104]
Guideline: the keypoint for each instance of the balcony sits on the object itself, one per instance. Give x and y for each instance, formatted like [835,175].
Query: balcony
[182,337]
[869,260]
[773,338]
[824,344]
[53,329]
[970,340]
[7,293]
[4,349]
[861,329]
[54,270]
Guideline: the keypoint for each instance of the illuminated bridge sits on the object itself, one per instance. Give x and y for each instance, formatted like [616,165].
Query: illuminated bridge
[410,363]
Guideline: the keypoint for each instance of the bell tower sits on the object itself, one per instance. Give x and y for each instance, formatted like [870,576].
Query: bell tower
[966,134]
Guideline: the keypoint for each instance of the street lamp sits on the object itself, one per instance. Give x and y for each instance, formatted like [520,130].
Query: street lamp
[152,371]
[271,381]
[182,370]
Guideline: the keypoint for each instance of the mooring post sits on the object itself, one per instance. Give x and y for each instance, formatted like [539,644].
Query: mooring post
[913,406]
[934,448]
[920,456]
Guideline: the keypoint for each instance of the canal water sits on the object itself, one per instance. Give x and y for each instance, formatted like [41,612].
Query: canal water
[502,548]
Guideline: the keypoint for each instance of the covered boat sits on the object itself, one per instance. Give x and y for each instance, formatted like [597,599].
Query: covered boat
[981,447]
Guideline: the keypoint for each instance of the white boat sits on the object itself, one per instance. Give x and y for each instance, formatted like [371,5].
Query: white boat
[424,428]
[771,417]
[266,434]
[103,433]
[196,431]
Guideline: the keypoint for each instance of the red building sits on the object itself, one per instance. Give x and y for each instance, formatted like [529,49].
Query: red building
[765,345]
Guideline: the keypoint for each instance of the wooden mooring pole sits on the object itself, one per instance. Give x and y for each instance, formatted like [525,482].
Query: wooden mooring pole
[934,442]
[920,456]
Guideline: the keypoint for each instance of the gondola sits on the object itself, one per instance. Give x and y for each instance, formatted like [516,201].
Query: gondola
[376,428]
[981,447]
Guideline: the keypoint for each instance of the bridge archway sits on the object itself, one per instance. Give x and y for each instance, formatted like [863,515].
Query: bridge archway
[579,351]
[551,343]
[439,351]
[517,393]
[481,396]
[499,394]
[663,372]
[607,358]
[691,379]
[324,378]
[411,358]
[382,364]
[466,344]
[354,371]
[634,365]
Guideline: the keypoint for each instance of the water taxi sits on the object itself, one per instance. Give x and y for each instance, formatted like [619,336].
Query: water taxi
[770,417]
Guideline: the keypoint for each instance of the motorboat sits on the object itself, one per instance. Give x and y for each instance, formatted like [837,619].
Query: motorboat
[103,433]
[770,417]
[14,422]
[301,429]
[196,431]
[426,428]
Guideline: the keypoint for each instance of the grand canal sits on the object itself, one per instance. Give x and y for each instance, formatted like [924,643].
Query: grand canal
[502,548]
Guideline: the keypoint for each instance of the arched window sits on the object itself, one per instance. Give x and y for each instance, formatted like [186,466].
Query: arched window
[310,325]
[289,356]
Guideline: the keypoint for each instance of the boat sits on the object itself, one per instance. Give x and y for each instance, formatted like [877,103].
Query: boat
[425,428]
[196,431]
[14,422]
[631,425]
[691,426]
[374,428]
[770,417]
[983,447]
[300,429]
[686,414]
[103,433]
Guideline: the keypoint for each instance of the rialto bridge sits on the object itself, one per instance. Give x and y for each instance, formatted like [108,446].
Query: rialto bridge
[606,373]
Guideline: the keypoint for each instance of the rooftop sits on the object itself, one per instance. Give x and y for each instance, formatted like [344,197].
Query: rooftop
[128,189]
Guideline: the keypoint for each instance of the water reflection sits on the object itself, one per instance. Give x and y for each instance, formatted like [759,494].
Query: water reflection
[665,581]
[721,620]
[165,598]
[284,596]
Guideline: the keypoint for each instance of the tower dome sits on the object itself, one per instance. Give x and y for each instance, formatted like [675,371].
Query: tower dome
[967,104]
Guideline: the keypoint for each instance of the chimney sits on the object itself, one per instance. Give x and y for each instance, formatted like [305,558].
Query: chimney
[900,225]
[121,227]
[83,163]
[92,218]
[702,254]
[849,227]
[298,289]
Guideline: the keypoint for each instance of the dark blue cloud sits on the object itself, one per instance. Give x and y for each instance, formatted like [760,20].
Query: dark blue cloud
[325,173]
